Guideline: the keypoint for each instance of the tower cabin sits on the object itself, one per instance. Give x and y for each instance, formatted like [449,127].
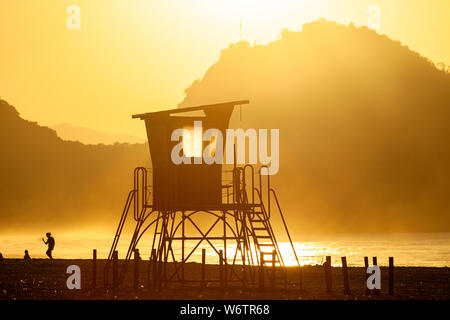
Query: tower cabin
[185,186]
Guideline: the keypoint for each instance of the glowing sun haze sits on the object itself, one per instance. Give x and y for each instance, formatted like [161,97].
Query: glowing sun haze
[138,56]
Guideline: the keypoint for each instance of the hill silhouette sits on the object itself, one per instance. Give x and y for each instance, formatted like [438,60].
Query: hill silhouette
[364,126]
[46,181]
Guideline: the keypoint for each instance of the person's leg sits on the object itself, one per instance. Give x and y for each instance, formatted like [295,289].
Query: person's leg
[49,253]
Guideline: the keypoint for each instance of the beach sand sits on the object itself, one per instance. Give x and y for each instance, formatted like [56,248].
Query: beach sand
[45,279]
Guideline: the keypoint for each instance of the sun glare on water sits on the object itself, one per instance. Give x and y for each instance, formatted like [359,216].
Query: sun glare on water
[408,250]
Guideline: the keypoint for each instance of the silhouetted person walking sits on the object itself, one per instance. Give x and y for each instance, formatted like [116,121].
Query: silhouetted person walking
[27,256]
[51,244]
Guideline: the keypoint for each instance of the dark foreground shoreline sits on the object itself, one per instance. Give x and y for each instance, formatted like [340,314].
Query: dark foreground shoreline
[44,279]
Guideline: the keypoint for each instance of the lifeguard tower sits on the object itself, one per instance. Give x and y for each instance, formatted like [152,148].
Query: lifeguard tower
[191,206]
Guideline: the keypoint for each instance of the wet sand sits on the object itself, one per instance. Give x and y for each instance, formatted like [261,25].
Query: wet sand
[45,279]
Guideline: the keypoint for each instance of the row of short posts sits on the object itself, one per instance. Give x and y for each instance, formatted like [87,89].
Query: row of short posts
[376,292]
[154,272]
[115,270]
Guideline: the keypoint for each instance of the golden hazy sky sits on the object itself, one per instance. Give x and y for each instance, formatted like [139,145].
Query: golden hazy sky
[137,56]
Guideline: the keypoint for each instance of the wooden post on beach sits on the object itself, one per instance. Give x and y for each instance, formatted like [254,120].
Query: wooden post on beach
[166,265]
[136,270]
[115,271]
[203,267]
[154,271]
[375,263]
[94,269]
[221,268]
[391,276]
[300,278]
[261,270]
[345,275]
[366,265]
[159,270]
[328,274]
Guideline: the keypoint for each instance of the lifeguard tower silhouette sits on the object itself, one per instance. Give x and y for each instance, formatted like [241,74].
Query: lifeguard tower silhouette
[188,206]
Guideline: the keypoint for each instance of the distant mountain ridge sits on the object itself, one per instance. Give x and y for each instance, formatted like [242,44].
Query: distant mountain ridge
[46,181]
[70,132]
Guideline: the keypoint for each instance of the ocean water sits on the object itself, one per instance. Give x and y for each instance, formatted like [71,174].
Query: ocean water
[413,249]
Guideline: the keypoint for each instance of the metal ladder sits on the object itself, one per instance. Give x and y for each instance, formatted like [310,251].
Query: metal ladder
[264,240]
[138,197]
[260,228]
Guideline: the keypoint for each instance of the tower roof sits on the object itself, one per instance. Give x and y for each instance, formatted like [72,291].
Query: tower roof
[189,109]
